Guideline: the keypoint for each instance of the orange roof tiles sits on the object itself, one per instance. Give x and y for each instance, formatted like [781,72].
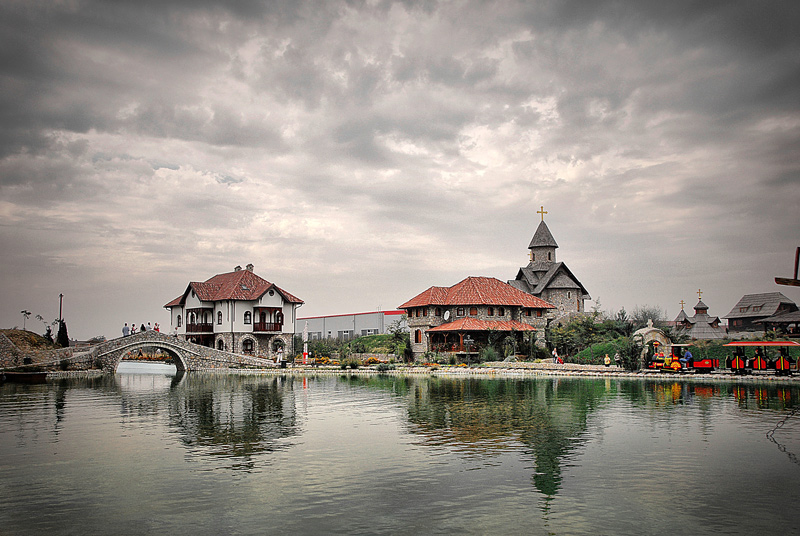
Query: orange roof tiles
[473,324]
[477,291]
[241,285]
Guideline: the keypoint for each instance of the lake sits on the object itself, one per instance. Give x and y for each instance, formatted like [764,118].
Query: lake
[156,453]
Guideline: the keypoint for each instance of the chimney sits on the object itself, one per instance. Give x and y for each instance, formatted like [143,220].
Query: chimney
[237,269]
[249,267]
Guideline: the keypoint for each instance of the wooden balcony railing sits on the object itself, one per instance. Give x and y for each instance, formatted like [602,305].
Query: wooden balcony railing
[199,328]
[268,326]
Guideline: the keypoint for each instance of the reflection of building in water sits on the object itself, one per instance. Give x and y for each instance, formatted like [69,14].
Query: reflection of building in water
[236,419]
[546,417]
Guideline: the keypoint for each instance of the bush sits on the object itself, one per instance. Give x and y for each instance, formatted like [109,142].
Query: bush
[488,354]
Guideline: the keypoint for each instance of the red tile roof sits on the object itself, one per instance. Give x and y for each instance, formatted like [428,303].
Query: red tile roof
[473,324]
[477,291]
[241,285]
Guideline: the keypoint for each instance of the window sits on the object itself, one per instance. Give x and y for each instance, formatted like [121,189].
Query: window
[417,336]
[279,317]
[247,346]
[501,311]
[473,311]
[742,309]
[219,318]
[527,312]
[756,308]
[538,312]
[460,311]
[490,311]
[179,320]
[533,256]
[438,311]
[425,312]
[549,256]
[569,294]
[417,313]
[248,318]
[220,345]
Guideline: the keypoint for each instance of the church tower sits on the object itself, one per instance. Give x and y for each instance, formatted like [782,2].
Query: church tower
[548,279]
[543,245]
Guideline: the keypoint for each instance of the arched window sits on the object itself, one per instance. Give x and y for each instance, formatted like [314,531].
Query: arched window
[205,318]
[501,311]
[279,318]
[179,320]
[248,318]
[490,311]
[473,311]
[438,311]
[247,346]
[219,319]
[460,311]
[220,344]
[417,336]
[193,319]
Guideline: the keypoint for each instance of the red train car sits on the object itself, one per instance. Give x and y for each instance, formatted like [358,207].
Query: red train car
[761,359]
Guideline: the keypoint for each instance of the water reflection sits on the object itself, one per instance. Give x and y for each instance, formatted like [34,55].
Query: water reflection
[233,417]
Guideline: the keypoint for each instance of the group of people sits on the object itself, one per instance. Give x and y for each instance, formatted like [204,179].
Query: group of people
[126,330]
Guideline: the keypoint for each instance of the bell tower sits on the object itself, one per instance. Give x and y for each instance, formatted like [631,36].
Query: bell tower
[543,246]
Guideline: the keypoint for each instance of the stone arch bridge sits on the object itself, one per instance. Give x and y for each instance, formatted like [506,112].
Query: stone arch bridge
[186,355]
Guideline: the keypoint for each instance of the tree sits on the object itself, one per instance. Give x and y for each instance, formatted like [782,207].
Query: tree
[62,338]
[643,313]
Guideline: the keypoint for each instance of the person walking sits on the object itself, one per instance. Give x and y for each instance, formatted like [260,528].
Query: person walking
[126,330]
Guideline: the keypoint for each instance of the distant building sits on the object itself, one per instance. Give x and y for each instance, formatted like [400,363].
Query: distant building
[236,311]
[347,326]
[752,309]
[548,279]
[449,319]
[701,325]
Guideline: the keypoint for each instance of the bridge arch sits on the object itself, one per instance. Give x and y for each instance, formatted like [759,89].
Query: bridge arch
[108,355]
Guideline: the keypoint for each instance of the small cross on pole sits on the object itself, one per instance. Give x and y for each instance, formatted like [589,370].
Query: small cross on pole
[699,294]
[542,211]
[682,304]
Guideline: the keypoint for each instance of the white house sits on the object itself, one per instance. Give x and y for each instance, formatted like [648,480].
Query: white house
[238,312]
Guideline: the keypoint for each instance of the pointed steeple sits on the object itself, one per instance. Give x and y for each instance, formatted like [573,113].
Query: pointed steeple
[542,237]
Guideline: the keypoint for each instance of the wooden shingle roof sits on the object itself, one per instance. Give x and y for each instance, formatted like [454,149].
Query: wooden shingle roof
[759,305]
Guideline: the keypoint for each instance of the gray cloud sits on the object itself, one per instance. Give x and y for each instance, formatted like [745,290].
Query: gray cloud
[392,146]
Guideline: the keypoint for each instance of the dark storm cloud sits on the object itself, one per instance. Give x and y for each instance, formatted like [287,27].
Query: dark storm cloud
[187,133]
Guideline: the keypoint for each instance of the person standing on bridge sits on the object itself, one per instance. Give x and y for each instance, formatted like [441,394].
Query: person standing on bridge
[126,330]
[149,327]
[133,328]
[142,329]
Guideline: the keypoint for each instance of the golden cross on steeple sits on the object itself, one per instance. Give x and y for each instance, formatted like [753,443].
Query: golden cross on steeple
[542,211]
[682,304]
[699,294]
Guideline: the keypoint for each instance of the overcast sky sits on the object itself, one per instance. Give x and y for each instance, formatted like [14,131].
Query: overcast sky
[359,152]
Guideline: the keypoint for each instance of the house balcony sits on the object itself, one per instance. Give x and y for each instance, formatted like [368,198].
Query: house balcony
[267,326]
[200,328]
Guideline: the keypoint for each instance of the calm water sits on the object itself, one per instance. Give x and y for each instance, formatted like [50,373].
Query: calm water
[221,454]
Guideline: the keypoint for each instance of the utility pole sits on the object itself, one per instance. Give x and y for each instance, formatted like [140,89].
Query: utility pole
[60,303]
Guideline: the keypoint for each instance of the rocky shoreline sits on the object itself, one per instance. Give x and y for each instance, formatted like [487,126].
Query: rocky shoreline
[489,370]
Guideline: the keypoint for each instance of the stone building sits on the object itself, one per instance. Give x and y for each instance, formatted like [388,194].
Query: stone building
[237,312]
[549,279]
[459,319]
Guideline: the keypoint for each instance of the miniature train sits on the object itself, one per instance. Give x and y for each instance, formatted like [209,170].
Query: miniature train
[680,358]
